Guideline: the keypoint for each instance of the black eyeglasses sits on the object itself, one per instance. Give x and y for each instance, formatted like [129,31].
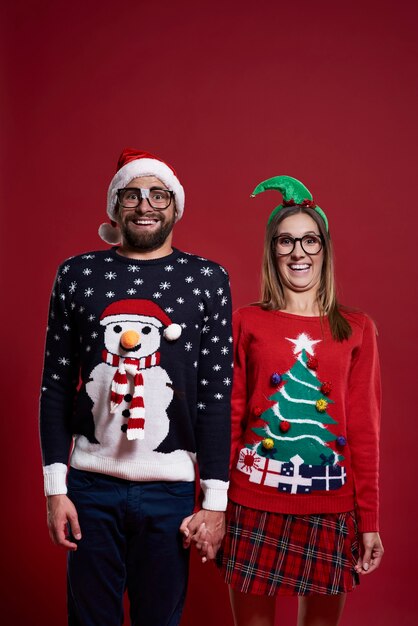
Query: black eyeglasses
[285,244]
[157,198]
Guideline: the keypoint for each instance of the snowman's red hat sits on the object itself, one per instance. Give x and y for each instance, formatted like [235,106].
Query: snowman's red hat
[131,164]
[140,311]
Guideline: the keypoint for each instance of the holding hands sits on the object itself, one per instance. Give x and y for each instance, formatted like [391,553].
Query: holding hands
[205,529]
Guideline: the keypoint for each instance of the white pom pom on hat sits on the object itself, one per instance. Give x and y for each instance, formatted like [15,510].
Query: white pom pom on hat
[172,332]
[110,233]
[132,164]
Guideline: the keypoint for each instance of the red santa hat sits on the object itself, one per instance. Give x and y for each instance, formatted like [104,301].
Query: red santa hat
[140,311]
[131,164]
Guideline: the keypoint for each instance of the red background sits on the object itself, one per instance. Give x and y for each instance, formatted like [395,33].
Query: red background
[230,93]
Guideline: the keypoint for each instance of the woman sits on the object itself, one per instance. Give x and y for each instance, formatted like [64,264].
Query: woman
[303,512]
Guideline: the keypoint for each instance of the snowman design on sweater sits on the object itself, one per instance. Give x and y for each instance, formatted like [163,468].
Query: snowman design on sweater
[130,390]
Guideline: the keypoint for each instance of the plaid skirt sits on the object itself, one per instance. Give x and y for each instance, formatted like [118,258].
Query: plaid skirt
[270,554]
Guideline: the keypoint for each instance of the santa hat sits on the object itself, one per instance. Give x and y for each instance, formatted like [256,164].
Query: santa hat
[133,163]
[294,193]
[140,311]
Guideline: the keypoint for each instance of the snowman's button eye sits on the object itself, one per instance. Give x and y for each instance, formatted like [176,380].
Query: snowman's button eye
[117,328]
[146,330]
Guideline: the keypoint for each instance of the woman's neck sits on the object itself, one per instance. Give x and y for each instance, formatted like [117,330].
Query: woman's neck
[305,303]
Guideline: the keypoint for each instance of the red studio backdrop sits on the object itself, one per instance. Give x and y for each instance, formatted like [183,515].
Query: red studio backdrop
[230,93]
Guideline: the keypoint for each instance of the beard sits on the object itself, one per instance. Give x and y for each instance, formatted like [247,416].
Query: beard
[146,242]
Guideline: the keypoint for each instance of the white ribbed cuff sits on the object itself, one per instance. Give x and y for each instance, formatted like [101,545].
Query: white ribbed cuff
[55,479]
[215,494]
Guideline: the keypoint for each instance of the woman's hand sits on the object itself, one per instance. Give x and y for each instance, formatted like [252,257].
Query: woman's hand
[371,553]
[206,530]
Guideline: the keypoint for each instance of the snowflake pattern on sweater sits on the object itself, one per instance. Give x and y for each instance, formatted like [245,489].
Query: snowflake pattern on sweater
[146,405]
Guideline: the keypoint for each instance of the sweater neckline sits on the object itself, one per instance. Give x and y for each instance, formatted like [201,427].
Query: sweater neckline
[158,261]
[297,316]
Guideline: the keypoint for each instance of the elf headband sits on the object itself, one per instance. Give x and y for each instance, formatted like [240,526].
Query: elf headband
[293,192]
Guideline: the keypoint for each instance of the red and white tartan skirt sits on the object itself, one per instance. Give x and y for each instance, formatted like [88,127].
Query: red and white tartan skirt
[271,554]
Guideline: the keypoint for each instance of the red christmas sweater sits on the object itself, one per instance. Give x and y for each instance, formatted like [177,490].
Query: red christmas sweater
[305,415]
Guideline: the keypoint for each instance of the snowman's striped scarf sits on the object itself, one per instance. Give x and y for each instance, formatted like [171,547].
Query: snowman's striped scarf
[120,388]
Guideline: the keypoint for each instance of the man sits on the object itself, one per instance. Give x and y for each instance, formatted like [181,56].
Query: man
[146,328]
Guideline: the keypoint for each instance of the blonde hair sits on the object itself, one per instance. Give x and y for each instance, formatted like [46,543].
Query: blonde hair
[272,292]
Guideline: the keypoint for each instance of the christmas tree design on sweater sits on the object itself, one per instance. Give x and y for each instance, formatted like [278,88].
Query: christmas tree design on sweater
[293,453]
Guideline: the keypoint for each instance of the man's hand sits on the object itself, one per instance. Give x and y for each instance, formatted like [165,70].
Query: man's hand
[371,553]
[60,512]
[206,530]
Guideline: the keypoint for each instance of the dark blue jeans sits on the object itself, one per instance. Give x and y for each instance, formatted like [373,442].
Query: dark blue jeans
[130,540]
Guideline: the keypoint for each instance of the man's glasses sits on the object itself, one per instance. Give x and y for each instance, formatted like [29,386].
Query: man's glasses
[131,197]
[284,244]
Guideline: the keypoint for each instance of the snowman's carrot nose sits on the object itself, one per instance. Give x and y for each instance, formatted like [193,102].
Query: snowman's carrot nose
[129,339]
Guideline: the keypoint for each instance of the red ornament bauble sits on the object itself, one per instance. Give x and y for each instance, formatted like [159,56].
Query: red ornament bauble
[284,426]
[326,388]
[312,363]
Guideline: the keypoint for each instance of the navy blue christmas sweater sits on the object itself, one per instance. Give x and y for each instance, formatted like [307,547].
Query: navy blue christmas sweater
[138,371]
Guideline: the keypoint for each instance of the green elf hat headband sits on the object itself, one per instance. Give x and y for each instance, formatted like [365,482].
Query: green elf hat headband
[293,192]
